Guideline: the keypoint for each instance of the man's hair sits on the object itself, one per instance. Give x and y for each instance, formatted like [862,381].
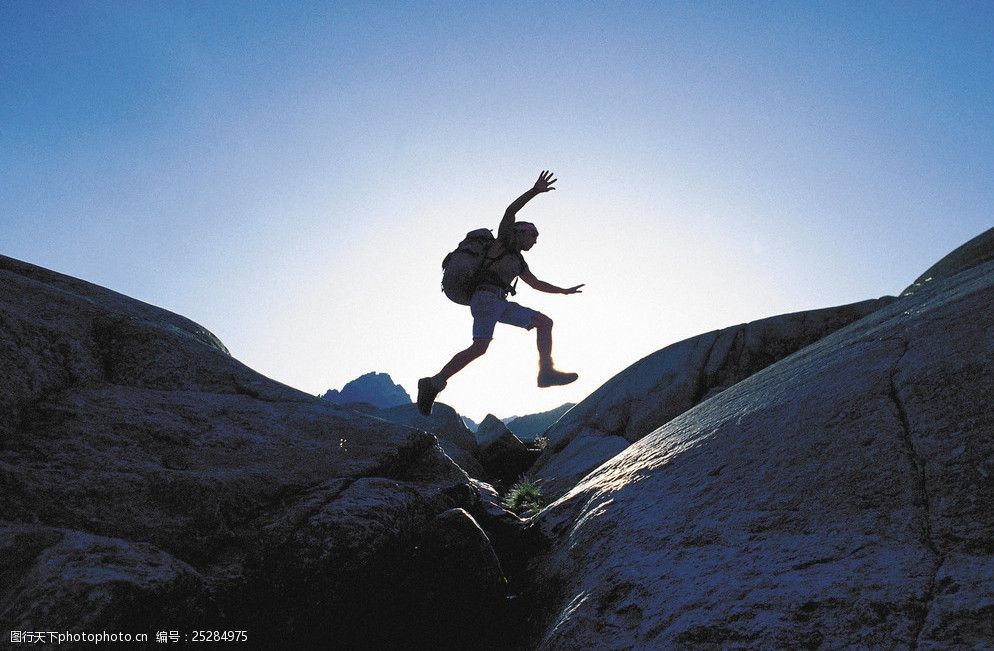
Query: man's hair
[525,226]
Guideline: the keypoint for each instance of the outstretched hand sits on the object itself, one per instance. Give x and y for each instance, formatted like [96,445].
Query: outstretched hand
[544,182]
[574,290]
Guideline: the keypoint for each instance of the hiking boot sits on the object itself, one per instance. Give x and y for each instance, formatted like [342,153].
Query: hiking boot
[427,390]
[550,377]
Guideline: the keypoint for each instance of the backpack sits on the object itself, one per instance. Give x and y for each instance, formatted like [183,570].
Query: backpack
[461,267]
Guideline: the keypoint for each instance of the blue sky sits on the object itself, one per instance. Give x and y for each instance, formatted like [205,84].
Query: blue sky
[291,174]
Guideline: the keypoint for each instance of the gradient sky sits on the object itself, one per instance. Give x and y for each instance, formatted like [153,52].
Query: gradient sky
[290,175]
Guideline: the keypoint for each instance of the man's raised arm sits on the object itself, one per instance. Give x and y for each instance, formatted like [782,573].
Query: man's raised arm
[543,184]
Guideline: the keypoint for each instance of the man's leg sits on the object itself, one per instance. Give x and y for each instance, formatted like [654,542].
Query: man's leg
[462,359]
[547,375]
[486,308]
[543,338]
[429,387]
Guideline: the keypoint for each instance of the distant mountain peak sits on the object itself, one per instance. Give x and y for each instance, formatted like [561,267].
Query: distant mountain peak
[377,389]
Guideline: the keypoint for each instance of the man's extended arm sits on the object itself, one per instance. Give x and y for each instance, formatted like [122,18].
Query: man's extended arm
[543,184]
[548,288]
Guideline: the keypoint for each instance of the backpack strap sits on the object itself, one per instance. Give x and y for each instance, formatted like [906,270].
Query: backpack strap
[487,262]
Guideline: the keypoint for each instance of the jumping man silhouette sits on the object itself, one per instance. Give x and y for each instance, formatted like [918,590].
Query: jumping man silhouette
[489,304]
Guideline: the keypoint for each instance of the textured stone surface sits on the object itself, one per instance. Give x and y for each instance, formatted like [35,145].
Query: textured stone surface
[831,494]
[453,436]
[839,498]
[670,381]
[58,579]
[141,466]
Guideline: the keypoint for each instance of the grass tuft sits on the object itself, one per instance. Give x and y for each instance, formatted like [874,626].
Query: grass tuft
[525,497]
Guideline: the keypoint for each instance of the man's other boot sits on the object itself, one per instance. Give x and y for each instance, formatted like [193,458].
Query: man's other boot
[550,377]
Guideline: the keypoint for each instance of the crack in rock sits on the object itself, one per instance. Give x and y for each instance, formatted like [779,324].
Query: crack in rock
[701,385]
[921,496]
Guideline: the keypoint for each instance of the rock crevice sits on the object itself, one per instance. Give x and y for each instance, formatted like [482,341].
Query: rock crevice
[922,497]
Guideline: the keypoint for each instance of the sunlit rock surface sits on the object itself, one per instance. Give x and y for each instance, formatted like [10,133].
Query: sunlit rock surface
[839,498]
[670,381]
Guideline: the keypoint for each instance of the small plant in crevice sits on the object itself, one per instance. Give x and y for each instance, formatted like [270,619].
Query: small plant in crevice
[525,497]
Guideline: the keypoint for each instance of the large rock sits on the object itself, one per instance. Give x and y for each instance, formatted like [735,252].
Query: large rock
[58,579]
[359,533]
[144,470]
[491,428]
[376,389]
[460,586]
[453,435]
[672,380]
[504,456]
[839,498]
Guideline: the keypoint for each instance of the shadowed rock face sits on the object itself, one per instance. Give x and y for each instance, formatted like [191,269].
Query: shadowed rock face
[669,382]
[503,455]
[96,583]
[839,498]
[453,435]
[142,467]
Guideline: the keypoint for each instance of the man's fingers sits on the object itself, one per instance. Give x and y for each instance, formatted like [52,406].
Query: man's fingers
[545,181]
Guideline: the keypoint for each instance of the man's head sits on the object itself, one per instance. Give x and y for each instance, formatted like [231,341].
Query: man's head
[525,235]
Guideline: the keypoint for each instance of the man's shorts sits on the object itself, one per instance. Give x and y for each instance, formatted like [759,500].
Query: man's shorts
[489,307]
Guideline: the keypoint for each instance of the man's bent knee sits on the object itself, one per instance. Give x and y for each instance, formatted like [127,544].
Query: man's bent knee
[479,346]
[541,321]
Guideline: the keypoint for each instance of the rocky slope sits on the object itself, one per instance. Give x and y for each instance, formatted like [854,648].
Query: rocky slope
[814,480]
[151,480]
[838,498]
[667,383]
